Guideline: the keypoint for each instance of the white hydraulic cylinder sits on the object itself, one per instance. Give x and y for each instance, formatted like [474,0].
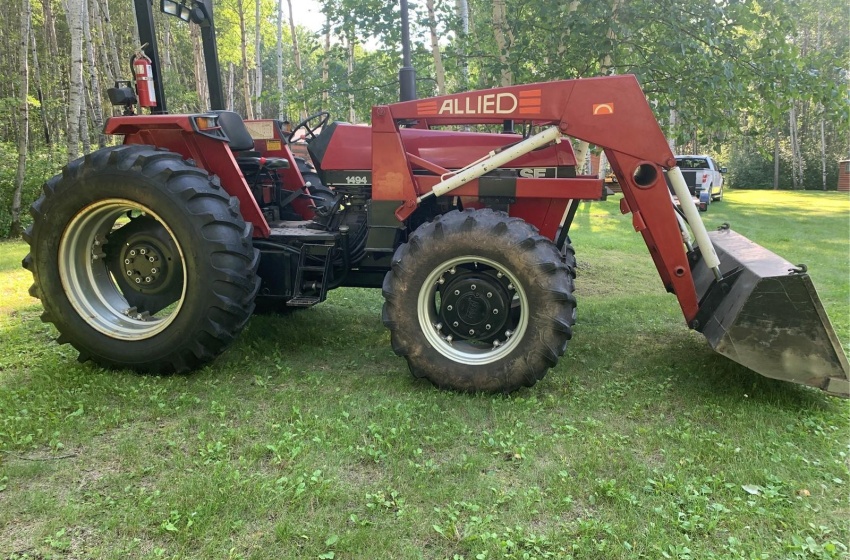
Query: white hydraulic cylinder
[493,161]
[686,203]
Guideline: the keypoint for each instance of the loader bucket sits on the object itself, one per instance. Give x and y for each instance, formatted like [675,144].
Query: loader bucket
[766,315]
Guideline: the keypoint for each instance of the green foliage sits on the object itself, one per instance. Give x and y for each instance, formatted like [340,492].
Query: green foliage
[41,165]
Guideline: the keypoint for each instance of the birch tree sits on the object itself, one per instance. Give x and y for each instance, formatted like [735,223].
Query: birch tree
[439,72]
[23,122]
[76,97]
[243,46]
[258,53]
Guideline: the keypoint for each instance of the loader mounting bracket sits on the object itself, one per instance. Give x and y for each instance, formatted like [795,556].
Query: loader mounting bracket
[713,297]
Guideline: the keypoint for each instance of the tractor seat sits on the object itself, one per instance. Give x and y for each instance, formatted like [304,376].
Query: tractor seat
[240,142]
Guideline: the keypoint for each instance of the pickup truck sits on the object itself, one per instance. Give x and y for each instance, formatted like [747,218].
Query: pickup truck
[701,174]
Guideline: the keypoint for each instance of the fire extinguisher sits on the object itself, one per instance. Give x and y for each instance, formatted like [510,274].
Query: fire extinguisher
[143,72]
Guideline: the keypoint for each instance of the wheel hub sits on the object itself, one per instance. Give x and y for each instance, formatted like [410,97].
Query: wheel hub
[144,265]
[474,307]
[144,260]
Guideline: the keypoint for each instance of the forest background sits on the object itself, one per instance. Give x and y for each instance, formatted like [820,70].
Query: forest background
[760,84]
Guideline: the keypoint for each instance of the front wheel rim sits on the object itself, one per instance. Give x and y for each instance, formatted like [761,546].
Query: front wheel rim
[88,282]
[444,328]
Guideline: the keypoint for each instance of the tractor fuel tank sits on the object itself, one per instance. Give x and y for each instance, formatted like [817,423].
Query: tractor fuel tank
[766,315]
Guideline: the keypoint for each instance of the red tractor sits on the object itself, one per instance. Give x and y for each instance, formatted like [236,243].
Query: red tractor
[152,255]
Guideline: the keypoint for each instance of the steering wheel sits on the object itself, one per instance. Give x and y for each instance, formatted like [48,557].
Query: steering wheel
[322,116]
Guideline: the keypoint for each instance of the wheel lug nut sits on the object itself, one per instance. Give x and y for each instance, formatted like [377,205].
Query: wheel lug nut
[441,280]
[151,259]
[438,326]
[488,326]
[143,251]
[472,287]
[132,252]
[148,279]
[452,270]
[511,286]
[489,294]
[449,308]
[129,273]
[499,275]
[455,324]
[127,261]
[138,280]
[153,270]
[495,312]
[449,339]
[457,292]
[496,343]
[471,332]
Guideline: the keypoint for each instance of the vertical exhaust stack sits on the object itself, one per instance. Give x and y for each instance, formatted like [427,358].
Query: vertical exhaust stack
[766,315]
[407,74]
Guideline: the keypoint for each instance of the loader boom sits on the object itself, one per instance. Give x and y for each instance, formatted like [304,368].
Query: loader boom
[610,112]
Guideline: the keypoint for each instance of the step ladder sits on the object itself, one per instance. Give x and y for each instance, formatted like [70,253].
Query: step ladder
[323,272]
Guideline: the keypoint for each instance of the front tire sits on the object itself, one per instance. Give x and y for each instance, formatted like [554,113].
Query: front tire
[479,301]
[141,260]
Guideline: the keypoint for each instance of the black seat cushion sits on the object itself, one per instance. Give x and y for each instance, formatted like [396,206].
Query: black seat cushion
[234,127]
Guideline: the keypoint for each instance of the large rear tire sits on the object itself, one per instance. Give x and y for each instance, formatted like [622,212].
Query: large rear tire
[479,301]
[141,260]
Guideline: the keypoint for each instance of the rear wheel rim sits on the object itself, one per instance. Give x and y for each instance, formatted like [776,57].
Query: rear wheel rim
[88,283]
[443,328]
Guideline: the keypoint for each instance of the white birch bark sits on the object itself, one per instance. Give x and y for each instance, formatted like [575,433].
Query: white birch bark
[501,34]
[258,40]
[75,99]
[243,45]
[281,104]
[439,72]
[96,105]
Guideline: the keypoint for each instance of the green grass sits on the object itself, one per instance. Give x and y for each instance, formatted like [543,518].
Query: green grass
[309,439]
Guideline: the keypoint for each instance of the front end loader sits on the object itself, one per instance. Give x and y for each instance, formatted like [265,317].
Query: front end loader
[152,255]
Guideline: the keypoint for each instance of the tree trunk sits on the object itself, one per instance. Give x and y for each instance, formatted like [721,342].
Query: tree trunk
[325,68]
[463,14]
[231,77]
[439,72]
[243,44]
[94,84]
[258,90]
[776,159]
[96,15]
[23,123]
[201,86]
[796,163]
[110,38]
[500,27]
[352,115]
[40,91]
[296,57]
[75,100]
[281,103]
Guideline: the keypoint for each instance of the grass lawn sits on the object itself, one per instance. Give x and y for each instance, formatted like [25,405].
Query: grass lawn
[308,438]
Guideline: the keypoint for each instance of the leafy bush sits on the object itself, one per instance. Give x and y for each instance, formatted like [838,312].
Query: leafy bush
[750,168]
[41,165]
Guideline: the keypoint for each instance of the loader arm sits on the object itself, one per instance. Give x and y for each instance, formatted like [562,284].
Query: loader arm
[610,112]
[752,305]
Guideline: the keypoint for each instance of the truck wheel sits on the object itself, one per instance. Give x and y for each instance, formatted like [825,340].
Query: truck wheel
[479,301]
[141,260]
